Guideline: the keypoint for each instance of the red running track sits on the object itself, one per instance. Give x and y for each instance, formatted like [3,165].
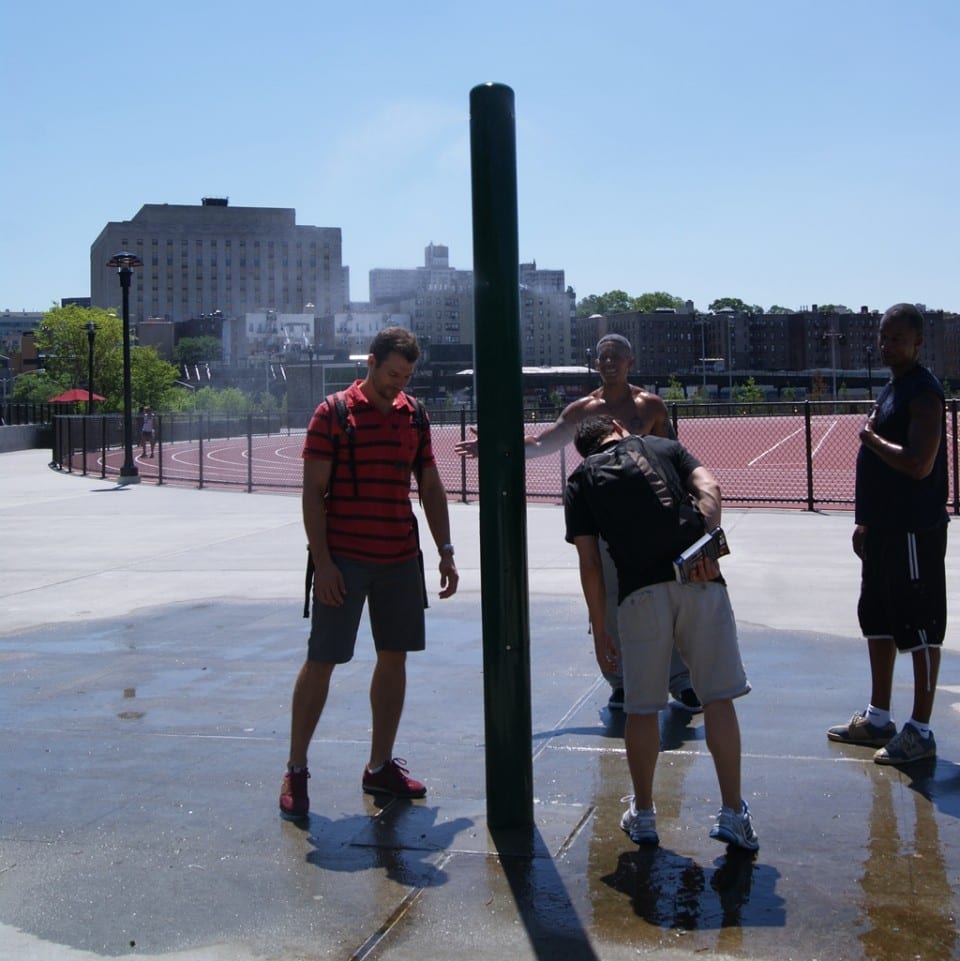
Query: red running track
[759,461]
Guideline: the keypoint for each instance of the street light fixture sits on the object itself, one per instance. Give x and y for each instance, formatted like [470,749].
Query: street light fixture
[598,330]
[125,263]
[703,354]
[833,336]
[311,350]
[91,335]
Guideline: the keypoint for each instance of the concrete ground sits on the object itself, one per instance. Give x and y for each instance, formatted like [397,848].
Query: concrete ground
[149,640]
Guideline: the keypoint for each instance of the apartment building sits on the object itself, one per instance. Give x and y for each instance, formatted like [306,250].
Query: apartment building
[804,341]
[213,257]
[439,300]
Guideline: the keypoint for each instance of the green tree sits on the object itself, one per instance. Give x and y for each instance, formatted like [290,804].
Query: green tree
[228,400]
[734,303]
[39,387]
[648,303]
[674,390]
[62,339]
[777,309]
[748,392]
[151,378]
[178,399]
[620,302]
[612,302]
[197,350]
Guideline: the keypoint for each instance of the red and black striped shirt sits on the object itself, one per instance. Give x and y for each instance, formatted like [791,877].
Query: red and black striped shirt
[374,521]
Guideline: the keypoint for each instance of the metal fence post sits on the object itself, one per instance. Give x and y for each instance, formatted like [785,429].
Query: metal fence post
[250,453]
[463,460]
[159,435]
[809,453]
[956,459]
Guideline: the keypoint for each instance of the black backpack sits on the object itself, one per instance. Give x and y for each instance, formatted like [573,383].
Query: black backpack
[674,521]
[337,403]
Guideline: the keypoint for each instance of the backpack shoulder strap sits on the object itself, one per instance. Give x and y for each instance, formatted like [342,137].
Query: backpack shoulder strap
[638,454]
[308,583]
[338,405]
[421,423]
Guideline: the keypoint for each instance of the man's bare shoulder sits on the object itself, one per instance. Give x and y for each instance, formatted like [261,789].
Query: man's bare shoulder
[584,407]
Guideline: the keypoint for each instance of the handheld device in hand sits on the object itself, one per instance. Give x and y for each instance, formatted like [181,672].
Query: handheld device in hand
[712,545]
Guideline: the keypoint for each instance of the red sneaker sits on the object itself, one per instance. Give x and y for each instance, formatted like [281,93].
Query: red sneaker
[393,778]
[294,803]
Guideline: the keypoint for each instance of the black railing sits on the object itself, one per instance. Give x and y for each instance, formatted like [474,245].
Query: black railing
[792,455]
[18,413]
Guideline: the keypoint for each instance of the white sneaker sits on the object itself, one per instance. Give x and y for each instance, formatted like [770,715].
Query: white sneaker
[736,828]
[640,825]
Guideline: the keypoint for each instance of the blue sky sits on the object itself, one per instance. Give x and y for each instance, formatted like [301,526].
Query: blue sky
[781,152]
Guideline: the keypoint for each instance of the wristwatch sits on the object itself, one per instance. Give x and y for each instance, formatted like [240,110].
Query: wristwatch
[446,549]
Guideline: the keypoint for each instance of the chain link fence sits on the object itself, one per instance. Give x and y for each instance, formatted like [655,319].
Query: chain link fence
[799,456]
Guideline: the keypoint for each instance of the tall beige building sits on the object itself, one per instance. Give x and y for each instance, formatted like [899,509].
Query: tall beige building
[214,257]
[439,299]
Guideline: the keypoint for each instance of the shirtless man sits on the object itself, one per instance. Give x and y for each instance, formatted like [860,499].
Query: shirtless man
[641,413]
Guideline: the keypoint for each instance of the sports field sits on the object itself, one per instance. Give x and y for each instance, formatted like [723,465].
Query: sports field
[758,461]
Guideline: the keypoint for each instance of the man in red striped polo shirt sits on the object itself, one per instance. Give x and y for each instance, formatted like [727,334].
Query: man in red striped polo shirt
[362,535]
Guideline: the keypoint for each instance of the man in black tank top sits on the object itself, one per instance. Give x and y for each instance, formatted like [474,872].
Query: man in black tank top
[901,539]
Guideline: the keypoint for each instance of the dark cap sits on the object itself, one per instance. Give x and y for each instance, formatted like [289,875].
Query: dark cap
[616,339]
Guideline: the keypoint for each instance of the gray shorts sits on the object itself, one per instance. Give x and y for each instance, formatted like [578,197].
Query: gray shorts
[395,595]
[697,618]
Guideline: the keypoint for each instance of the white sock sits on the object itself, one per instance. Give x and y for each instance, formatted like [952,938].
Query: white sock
[877,716]
[924,729]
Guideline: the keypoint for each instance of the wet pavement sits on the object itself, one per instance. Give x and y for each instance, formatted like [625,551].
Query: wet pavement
[149,641]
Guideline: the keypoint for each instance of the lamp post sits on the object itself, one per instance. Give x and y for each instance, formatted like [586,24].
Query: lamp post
[870,373]
[91,335]
[311,351]
[703,355]
[833,336]
[729,359]
[125,263]
[599,328]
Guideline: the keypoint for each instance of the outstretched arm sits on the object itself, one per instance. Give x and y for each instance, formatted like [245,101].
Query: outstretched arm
[561,432]
[554,438]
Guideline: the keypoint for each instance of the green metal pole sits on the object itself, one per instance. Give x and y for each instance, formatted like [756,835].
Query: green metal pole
[503,522]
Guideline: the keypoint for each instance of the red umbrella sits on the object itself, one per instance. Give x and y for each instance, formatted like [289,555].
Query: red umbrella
[73,395]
